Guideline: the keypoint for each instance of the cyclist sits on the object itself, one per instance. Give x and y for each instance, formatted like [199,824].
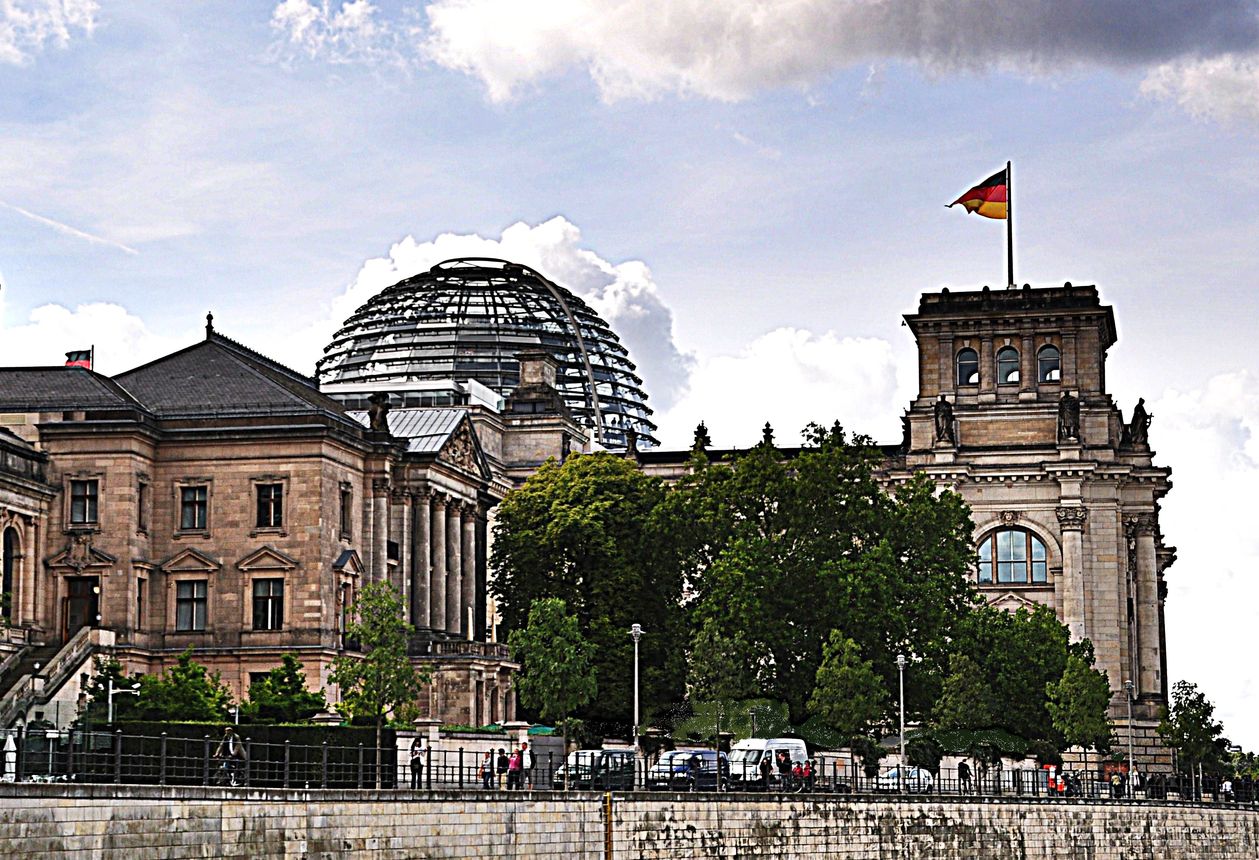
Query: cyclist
[230,754]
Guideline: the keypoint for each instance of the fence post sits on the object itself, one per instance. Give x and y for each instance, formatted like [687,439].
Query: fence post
[70,756]
[286,762]
[162,771]
[323,770]
[19,760]
[428,767]
[461,767]
[360,764]
[205,759]
[118,755]
[248,756]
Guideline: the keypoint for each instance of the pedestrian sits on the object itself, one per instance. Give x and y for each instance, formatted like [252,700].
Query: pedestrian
[513,771]
[784,770]
[526,765]
[1116,785]
[230,754]
[417,762]
[963,778]
[1226,790]
[692,772]
[487,770]
[767,771]
[501,768]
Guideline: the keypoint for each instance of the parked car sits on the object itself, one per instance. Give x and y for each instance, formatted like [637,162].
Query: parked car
[746,756]
[689,770]
[596,770]
[916,779]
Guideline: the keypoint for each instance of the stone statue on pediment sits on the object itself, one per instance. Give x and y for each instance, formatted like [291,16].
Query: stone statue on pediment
[1068,418]
[1139,426]
[944,421]
[378,412]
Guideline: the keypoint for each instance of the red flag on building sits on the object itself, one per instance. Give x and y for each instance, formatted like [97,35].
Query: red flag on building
[79,358]
[989,198]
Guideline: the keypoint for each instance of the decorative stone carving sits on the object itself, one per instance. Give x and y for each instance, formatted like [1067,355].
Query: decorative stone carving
[1009,518]
[380,485]
[1072,517]
[378,412]
[702,440]
[1140,524]
[767,435]
[1139,426]
[460,450]
[944,422]
[1068,418]
[79,552]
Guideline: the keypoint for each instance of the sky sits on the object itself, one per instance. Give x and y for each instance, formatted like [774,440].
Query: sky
[752,192]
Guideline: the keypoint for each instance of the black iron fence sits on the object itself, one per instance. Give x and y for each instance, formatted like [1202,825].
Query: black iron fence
[161,759]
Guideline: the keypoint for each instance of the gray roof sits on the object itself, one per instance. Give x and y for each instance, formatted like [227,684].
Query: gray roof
[51,389]
[426,430]
[219,377]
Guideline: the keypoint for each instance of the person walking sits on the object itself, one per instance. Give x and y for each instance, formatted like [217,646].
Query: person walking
[963,778]
[487,770]
[513,771]
[526,765]
[767,771]
[501,768]
[417,762]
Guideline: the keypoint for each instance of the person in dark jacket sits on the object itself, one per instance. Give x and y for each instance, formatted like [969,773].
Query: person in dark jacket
[501,768]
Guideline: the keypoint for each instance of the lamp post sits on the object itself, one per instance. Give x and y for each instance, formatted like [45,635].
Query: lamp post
[900,666]
[636,632]
[1128,688]
[110,692]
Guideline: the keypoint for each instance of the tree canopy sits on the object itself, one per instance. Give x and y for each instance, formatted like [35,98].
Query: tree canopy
[849,696]
[282,697]
[1189,726]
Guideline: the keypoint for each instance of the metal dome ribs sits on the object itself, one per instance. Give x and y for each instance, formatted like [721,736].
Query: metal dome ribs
[468,318]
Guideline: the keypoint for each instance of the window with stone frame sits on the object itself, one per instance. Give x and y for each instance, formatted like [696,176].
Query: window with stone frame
[1012,557]
[270,508]
[84,494]
[1049,364]
[347,512]
[268,604]
[967,367]
[191,605]
[1007,366]
[194,508]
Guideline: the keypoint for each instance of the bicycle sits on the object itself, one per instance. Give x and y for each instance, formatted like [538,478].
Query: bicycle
[225,772]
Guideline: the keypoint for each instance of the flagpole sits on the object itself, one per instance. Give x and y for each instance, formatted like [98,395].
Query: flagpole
[91,359]
[1009,223]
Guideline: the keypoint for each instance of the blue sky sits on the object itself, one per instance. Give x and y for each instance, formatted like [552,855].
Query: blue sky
[751,191]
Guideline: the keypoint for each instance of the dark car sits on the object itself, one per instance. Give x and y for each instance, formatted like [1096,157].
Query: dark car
[689,770]
[596,770]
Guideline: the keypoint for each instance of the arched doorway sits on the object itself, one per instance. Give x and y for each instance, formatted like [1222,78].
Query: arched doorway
[9,549]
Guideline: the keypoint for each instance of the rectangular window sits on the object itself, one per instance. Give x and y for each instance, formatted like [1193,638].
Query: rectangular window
[83,496]
[268,604]
[1011,557]
[985,561]
[142,504]
[347,498]
[140,583]
[1040,565]
[270,506]
[190,605]
[193,507]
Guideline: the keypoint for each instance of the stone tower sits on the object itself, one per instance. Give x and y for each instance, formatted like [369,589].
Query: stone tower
[1012,411]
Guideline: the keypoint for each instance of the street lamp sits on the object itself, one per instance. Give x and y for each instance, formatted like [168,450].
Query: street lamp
[900,666]
[636,632]
[110,692]
[1128,688]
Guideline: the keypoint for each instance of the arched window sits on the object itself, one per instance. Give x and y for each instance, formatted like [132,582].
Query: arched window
[8,552]
[1007,366]
[968,367]
[1049,364]
[1012,555]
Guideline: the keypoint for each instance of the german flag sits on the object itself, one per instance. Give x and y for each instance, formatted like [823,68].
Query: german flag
[79,358]
[989,198]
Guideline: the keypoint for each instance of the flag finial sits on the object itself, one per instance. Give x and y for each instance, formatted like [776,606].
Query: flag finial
[209,325]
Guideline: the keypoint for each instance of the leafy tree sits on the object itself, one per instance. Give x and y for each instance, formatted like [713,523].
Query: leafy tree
[383,678]
[558,675]
[964,702]
[849,696]
[282,697]
[791,549]
[186,692]
[924,750]
[1189,726]
[95,707]
[1078,701]
[592,532]
[719,678]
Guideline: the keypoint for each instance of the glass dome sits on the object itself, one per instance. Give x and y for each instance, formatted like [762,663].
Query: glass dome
[467,319]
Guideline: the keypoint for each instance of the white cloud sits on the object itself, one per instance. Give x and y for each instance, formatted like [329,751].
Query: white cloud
[732,49]
[789,377]
[351,32]
[1217,88]
[624,294]
[27,26]
[1210,438]
[122,339]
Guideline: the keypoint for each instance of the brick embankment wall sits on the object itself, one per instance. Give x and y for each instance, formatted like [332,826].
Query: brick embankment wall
[52,822]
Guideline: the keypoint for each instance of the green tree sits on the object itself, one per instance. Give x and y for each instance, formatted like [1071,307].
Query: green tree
[185,692]
[592,532]
[1189,727]
[382,679]
[719,679]
[965,701]
[282,697]
[1078,701]
[848,696]
[558,674]
[95,707]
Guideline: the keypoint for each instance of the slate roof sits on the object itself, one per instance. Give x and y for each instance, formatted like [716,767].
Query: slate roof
[219,377]
[51,389]
[426,430]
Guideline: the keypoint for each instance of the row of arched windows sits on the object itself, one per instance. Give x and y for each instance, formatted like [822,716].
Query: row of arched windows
[1048,365]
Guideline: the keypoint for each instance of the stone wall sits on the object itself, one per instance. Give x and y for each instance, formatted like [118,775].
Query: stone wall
[139,823]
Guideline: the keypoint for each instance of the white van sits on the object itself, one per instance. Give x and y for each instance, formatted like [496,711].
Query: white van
[746,756]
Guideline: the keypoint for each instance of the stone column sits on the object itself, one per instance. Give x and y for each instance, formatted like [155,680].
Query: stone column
[437,565]
[454,552]
[1142,528]
[420,514]
[380,528]
[987,366]
[467,576]
[1071,522]
[1027,365]
[481,613]
[400,529]
[24,610]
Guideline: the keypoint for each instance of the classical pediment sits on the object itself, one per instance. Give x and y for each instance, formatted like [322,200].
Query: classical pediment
[1011,602]
[267,558]
[190,561]
[461,449]
[348,562]
[80,554]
